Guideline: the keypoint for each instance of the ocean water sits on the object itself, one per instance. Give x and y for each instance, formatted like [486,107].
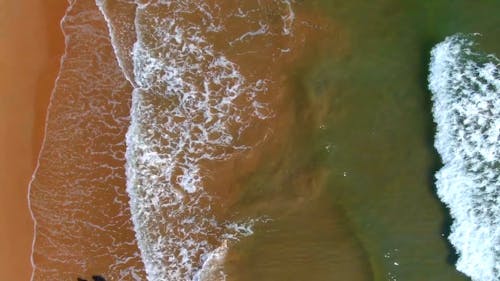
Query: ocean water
[270,140]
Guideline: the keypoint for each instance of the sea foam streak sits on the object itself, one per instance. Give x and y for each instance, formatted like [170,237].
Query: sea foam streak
[466,95]
[190,105]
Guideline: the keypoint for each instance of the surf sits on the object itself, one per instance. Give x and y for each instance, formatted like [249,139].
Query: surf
[191,106]
[465,86]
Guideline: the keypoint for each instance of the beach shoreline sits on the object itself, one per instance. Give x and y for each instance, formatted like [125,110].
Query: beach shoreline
[31,44]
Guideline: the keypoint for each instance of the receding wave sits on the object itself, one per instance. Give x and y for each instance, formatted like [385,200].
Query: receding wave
[466,94]
[77,195]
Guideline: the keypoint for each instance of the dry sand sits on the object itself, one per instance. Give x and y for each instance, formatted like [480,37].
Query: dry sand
[31,44]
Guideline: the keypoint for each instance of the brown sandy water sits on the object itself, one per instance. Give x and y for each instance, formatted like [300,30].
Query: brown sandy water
[258,56]
[31,44]
[78,194]
[78,191]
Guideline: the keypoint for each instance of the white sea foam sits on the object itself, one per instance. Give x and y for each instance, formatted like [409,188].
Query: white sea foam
[466,96]
[190,105]
[212,268]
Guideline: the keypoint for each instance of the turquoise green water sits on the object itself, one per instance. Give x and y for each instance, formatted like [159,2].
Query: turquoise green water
[351,189]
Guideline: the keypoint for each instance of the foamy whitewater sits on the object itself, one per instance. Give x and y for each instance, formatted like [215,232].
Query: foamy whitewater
[466,95]
[190,106]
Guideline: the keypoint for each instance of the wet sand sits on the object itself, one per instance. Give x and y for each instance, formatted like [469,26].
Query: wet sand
[30,47]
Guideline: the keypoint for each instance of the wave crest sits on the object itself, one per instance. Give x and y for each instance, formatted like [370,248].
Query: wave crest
[466,96]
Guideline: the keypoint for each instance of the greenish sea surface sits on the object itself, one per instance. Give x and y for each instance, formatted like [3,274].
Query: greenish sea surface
[351,192]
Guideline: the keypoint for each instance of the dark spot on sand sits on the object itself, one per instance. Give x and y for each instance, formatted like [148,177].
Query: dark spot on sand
[94,277]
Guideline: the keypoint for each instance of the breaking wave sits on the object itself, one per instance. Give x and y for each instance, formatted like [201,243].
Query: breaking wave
[466,94]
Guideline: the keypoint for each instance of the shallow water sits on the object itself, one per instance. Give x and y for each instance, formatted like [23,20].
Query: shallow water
[280,141]
[77,195]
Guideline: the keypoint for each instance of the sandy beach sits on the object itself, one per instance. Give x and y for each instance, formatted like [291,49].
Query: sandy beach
[31,44]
